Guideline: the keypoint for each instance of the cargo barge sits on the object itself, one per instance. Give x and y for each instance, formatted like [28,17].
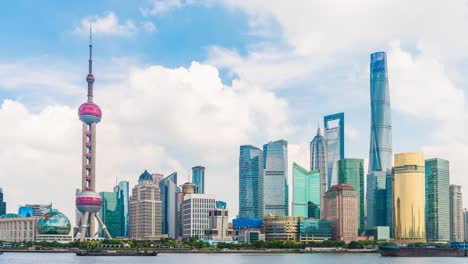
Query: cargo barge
[456,249]
[143,253]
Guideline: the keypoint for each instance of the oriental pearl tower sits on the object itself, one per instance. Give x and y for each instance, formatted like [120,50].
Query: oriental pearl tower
[88,202]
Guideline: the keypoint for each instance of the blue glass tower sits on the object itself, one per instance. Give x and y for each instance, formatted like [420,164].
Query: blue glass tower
[198,178]
[123,190]
[376,198]
[318,160]
[334,137]
[168,193]
[2,203]
[275,178]
[250,182]
[25,211]
[380,154]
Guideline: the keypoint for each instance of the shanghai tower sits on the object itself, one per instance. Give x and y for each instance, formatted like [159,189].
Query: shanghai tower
[380,154]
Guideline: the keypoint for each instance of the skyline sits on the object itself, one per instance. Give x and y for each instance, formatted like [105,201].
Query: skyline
[45,90]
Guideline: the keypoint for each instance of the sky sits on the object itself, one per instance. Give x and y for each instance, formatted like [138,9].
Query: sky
[185,82]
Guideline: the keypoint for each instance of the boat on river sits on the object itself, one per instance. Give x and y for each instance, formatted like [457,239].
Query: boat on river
[456,249]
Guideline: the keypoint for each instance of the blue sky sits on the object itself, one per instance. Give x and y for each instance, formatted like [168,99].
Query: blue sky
[185,82]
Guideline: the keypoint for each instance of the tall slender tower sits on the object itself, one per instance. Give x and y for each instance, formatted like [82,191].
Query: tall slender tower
[88,202]
[380,154]
[318,160]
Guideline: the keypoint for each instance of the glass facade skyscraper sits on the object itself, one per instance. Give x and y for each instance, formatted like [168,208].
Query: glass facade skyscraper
[380,153]
[250,182]
[376,198]
[123,190]
[198,178]
[111,213]
[389,199]
[334,138]
[275,179]
[318,160]
[409,198]
[351,172]
[2,203]
[306,192]
[168,192]
[437,200]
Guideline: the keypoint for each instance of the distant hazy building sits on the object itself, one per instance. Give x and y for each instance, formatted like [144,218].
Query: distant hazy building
[409,198]
[275,180]
[218,220]
[341,207]
[198,178]
[123,193]
[380,153]
[334,138]
[456,214]
[306,192]
[465,223]
[351,171]
[281,227]
[145,209]
[311,230]
[39,209]
[14,228]
[195,214]
[2,203]
[437,200]
[376,198]
[250,182]
[168,192]
[318,160]
[112,214]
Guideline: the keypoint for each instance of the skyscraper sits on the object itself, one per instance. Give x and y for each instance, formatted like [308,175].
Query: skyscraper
[341,208]
[88,202]
[145,209]
[123,191]
[351,172]
[250,182]
[306,192]
[409,198]
[334,138]
[380,154]
[389,199]
[169,189]
[198,178]
[111,213]
[437,200]
[195,214]
[376,198]
[2,203]
[456,214]
[318,160]
[465,223]
[275,179]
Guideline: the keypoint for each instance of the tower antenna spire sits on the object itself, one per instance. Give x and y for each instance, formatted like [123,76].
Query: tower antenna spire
[90,77]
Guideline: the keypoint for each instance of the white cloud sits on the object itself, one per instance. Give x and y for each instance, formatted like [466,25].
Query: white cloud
[158,7]
[148,26]
[161,119]
[107,24]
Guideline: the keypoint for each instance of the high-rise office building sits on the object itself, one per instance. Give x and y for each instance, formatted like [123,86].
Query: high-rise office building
[123,191]
[145,209]
[456,214]
[351,171]
[218,220]
[380,154]
[25,211]
[409,198]
[341,207]
[389,198]
[334,138]
[169,189]
[306,192]
[111,213]
[465,224]
[250,182]
[275,178]
[39,209]
[437,200]
[195,214]
[2,203]
[376,198]
[318,160]
[198,178]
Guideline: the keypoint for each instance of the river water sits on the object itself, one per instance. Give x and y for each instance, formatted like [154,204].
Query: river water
[313,258]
